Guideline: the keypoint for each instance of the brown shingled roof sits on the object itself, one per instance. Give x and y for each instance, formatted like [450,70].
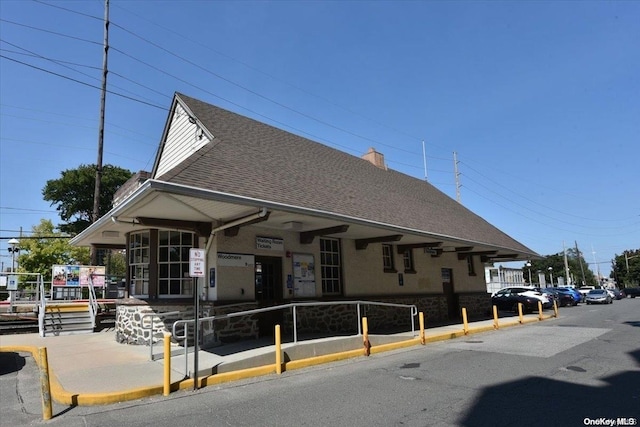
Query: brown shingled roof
[253,159]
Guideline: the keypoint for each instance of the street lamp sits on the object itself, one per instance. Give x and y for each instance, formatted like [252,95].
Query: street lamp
[13,249]
[551,275]
[528,264]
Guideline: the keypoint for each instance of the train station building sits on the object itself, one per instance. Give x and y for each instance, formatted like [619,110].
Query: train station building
[282,218]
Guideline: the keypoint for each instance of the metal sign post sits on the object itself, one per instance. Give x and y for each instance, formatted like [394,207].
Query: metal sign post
[197,267]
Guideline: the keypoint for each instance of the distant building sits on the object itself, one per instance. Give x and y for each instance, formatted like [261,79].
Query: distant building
[502,277]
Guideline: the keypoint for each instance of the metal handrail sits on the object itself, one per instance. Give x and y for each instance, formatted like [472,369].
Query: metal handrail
[293,306]
[144,328]
[414,312]
[93,302]
[43,306]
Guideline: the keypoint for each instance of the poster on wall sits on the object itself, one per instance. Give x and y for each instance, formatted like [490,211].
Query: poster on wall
[304,276]
[78,275]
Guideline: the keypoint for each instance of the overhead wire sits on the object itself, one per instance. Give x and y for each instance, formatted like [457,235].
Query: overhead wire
[267,98]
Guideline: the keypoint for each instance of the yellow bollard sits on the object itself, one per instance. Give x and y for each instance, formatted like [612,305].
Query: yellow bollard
[540,310]
[422,337]
[45,385]
[555,308]
[278,351]
[166,389]
[365,337]
[465,324]
[520,312]
[495,318]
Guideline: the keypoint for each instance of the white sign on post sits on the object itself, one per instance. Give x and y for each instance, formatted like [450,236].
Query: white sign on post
[197,265]
[12,283]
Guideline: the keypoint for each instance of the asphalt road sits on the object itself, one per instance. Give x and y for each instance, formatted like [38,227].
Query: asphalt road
[580,369]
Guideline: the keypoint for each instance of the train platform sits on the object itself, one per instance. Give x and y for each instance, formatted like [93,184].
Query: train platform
[94,369]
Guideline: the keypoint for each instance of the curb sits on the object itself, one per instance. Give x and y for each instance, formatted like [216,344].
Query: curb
[64,397]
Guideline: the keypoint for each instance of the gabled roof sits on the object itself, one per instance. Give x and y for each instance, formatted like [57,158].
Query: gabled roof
[254,160]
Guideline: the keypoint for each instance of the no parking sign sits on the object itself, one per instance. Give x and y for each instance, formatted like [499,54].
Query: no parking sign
[197,265]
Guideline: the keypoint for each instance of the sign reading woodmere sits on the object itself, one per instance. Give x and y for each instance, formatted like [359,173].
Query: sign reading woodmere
[78,275]
[235,260]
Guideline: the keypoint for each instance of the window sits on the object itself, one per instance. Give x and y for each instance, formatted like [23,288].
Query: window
[470,267]
[387,259]
[330,266]
[139,263]
[173,264]
[407,257]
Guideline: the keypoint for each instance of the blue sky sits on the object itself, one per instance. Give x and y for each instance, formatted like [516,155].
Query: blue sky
[540,100]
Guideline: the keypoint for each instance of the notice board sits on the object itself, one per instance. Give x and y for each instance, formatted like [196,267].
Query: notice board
[304,276]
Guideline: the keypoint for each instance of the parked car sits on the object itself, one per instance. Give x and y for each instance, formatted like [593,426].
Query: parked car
[632,292]
[598,296]
[584,290]
[563,298]
[531,292]
[577,296]
[508,299]
[618,294]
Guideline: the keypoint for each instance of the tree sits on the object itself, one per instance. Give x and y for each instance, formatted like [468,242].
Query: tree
[73,194]
[625,268]
[576,263]
[47,247]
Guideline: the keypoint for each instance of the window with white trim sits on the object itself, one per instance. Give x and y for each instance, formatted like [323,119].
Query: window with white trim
[387,259]
[139,263]
[407,258]
[330,268]
[470,267]
[173,264]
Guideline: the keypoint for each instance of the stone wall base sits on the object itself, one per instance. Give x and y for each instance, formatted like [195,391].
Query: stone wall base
[141,322]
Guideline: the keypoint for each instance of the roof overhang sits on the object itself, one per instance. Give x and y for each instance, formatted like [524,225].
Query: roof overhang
[159,204]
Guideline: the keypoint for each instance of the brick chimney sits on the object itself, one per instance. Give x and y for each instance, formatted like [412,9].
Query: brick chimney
[375,158]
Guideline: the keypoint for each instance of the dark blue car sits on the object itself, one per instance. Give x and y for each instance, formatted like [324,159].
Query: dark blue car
[565,298]
[577,296]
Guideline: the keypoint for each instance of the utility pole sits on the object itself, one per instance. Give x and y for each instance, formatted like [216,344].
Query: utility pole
[424,156]
[595,261]
[96,193]
[566,264]
[457,175]
[584,280]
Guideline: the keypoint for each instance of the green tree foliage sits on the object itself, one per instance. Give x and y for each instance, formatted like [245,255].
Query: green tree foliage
[625,268]
[72,194]
[47,247]
[577,265]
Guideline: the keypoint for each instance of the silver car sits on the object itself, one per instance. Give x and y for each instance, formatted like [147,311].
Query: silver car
[598,296]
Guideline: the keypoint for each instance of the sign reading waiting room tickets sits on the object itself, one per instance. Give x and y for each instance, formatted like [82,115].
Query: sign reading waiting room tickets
[78,275]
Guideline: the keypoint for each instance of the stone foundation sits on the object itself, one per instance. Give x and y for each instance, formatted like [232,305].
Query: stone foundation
[141,322]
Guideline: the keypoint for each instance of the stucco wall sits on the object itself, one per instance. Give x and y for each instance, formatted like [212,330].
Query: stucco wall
[362,270]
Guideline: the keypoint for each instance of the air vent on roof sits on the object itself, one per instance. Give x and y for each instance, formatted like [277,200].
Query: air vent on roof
[375,158]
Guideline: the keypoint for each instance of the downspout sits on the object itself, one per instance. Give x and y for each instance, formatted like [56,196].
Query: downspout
[260,214]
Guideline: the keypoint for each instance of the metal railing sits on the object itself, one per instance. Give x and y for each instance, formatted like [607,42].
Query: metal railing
[93,300]
[42,306]
[150,328]
[293,306]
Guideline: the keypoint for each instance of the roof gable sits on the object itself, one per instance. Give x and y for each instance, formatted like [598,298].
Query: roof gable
[252,159]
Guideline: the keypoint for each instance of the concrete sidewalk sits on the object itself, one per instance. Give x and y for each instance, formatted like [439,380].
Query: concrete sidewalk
[93,369]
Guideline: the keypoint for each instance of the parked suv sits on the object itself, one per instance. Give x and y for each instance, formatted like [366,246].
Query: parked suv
[632,292]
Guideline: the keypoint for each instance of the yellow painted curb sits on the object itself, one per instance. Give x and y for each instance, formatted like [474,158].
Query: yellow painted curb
[60,395]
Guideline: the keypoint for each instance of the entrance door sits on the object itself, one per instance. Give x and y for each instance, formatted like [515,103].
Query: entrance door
[268,280]
[453,311]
